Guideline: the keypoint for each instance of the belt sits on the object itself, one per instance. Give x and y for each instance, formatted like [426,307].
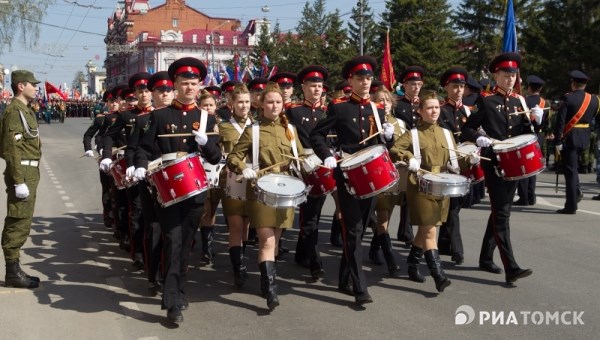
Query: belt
[582,126]
[31,162]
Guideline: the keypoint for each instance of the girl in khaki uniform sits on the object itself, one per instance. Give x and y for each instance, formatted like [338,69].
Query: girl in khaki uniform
[275,142]
[236,210]
[427,211]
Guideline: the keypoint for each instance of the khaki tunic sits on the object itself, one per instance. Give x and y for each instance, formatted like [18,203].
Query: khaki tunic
[229,136]
[425,210]
[273,144]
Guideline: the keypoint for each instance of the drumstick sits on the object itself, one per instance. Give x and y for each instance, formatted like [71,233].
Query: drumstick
[331,136]
[300,159]
[119,148]
[526,111]
[185,134]
[429,172]
[465,153]
[371,136]
[240,177]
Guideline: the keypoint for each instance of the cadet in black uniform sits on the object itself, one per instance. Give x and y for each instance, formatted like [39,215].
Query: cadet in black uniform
[406,109]
[286,81]
[526,188]
[256,86]
[350,119]
[94,132]
[304,117]
[495,119]
[572,134]
[180,221]
[453,115]
[226,89]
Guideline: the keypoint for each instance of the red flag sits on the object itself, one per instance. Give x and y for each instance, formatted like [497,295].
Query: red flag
[387,69]
[53,89]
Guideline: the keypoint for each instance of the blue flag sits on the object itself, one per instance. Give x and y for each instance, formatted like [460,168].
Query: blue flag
[509,42]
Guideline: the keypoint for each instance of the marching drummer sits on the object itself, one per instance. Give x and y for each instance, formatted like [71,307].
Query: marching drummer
[277,141]
[236,208]
[427,147]
[386,202]
[496,118]
[353,120]
[180,221]
[453,115]
[304,117]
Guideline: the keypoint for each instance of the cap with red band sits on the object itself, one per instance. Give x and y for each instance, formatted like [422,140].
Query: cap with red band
[508,62]
[314,73]
[362,65]
[454,75]
[187,67]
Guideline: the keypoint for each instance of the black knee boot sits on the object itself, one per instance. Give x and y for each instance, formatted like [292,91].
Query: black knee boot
[17,278]
[388,254]
[374,254]
[335,238]
[435,267]
[207,239]
[268,286]
[413,260]
[240,272]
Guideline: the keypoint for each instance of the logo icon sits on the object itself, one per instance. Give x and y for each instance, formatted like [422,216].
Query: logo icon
[464,315]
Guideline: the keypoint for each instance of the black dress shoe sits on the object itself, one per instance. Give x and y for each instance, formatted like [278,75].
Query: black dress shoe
[516,274]
[520,203]
[317,273]
[490,267]
[184,304]
[346,289]
[532,201]
[458,258]
[596,198]
[174,315]
[363,298]
[566,211]
[579,197]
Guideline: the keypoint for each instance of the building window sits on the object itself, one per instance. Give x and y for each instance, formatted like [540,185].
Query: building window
[221,39]
[175,22]
[235,40]
[208,39]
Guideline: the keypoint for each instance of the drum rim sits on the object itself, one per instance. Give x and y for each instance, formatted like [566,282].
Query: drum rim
[514,147]
[365,161]
[380,190]
[183,198]
[174,162]
[516,178]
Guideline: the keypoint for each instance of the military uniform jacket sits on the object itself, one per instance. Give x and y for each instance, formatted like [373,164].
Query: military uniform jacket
[350,119]
[273,144]
[178,118]
[571,102]
[93,131]
[472,101]
[229,135]
[19,143]
[132,152]
[305,117]
[532,101]
[224,112]
[110,119]
[453,118]
[123,128]
[407,111]
[495,119]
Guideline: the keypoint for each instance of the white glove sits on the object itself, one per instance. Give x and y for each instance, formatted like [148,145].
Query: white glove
[89,153]
[105,164]
[100,152]
[559,147]
[248,173]
[139,173]
[537,114]
[330,162]
[483,142]
[452,169]
[130,172]
[474,158]
[413,165]
[388,131]
[21,190]
[308,165]
[201,138]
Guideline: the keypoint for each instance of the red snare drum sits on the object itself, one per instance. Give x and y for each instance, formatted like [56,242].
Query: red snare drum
[178,180]
[320,178]
[117,170]
[519,157]
[369,172]
[475,171]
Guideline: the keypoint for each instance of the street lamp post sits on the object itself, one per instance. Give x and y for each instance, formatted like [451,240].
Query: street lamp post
[212,43]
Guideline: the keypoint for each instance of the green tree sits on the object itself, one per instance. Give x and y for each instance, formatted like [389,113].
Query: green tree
[19,21]
[336,47]
[371,33]
[421,34]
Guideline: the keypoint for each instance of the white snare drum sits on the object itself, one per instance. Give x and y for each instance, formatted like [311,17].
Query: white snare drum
[280,191]
[213,172]
[235,189]
[444,185]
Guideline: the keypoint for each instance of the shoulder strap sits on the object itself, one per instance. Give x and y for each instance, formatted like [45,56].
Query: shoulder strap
[255,140]
[573,121]
[203,119]
[450,141]
[294,146]
[377,120]
[467,111]
[416,146]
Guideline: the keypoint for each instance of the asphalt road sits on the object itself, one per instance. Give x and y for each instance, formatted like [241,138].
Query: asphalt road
[90,290]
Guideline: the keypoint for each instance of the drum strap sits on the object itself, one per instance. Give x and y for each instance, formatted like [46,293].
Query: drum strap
[377,120]
[416,146]
[255,139]
[573,121]
[203,119]
[467,111]
[294,146]
[451,147]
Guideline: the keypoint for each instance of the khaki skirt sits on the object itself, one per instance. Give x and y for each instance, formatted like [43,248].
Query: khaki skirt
[426,210]
[264,216]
